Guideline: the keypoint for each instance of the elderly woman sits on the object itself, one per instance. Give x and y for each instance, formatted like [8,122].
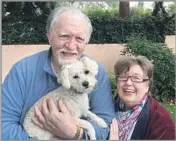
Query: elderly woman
[138,115]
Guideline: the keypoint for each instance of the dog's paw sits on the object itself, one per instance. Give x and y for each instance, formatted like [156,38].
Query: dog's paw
[101,123]
[92,135]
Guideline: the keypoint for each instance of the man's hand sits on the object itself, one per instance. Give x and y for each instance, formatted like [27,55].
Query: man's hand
[55,119]
[114,130]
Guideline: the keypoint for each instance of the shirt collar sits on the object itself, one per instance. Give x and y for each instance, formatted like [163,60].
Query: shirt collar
[47,64]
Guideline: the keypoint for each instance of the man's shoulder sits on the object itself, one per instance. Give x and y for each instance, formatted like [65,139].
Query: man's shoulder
[34,58]
[38,55]
[31,62]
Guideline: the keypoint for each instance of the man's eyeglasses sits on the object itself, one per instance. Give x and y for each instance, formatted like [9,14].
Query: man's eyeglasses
[134,78]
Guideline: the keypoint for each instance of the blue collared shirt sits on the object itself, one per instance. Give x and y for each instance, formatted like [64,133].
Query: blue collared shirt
[33,77]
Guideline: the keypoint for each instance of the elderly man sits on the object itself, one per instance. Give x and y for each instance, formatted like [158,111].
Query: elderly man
[68,33]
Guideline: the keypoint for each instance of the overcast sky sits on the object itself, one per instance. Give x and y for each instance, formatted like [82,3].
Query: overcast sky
[148,4]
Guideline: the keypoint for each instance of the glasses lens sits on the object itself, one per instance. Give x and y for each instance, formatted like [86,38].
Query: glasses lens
[133,78]
[123,78]
[137,78]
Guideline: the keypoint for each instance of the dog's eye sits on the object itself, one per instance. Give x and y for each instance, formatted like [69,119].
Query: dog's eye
[75,76]
[86,71]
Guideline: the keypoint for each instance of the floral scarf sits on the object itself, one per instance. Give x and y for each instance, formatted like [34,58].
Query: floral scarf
[126,119]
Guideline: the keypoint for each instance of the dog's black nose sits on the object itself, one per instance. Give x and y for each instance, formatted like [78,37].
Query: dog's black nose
[85,84]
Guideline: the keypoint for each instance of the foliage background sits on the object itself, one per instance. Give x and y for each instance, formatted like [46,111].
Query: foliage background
[30,19]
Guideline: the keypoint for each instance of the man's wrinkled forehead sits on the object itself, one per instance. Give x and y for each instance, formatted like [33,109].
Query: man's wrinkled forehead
[74,20]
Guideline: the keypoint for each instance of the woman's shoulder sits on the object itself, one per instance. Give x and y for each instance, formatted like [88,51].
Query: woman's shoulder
[157,113]
[160,122]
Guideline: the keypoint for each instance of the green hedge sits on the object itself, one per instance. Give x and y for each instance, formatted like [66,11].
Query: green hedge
[171,28]
[107,29]
[115,30]
[28,31]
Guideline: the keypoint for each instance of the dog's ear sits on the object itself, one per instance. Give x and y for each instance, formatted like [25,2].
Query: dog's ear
[90,65]
[64,76]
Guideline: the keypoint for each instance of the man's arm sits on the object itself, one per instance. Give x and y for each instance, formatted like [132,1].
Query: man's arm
[101,104]
[61,124]
[13,90]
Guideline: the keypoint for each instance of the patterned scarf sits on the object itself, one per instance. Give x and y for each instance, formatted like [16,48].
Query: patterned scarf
[127,119]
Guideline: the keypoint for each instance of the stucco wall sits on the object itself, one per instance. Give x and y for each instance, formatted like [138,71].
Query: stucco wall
[106,54]
[171,42]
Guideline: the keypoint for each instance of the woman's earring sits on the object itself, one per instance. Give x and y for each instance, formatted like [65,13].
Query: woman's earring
[121,105]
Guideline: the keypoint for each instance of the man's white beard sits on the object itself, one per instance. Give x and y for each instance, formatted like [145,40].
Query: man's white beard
[62,62]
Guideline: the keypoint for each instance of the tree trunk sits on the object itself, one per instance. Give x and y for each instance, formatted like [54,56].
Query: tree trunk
[159,9]
[124,9]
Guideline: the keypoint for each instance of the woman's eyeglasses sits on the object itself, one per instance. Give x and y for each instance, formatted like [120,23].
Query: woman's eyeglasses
[134,78]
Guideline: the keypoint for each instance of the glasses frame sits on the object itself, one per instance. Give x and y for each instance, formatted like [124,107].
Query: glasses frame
[131,78]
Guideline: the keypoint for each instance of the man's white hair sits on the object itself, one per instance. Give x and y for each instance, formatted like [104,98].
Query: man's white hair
[59,10]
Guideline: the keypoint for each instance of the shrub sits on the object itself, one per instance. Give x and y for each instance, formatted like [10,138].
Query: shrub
[171,28]
[24,32]
[100,12]
[117,30]
[163,87]
[140,12]
[113,83]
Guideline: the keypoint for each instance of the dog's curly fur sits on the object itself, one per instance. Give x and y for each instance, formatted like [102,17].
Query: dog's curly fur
[78,80]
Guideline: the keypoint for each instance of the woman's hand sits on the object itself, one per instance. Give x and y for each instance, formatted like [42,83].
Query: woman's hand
[55,119]
[114,130]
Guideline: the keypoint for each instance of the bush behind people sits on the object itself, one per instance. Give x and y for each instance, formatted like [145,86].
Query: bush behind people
[163,58]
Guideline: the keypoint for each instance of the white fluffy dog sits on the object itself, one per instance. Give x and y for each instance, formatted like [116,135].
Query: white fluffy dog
[78,80]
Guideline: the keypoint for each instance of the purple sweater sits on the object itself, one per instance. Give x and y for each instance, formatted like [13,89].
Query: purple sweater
[160,124]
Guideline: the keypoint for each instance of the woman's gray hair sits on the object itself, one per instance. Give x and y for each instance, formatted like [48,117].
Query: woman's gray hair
[59,10]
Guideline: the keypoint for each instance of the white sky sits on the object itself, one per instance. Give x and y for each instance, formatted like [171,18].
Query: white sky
[148,4]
